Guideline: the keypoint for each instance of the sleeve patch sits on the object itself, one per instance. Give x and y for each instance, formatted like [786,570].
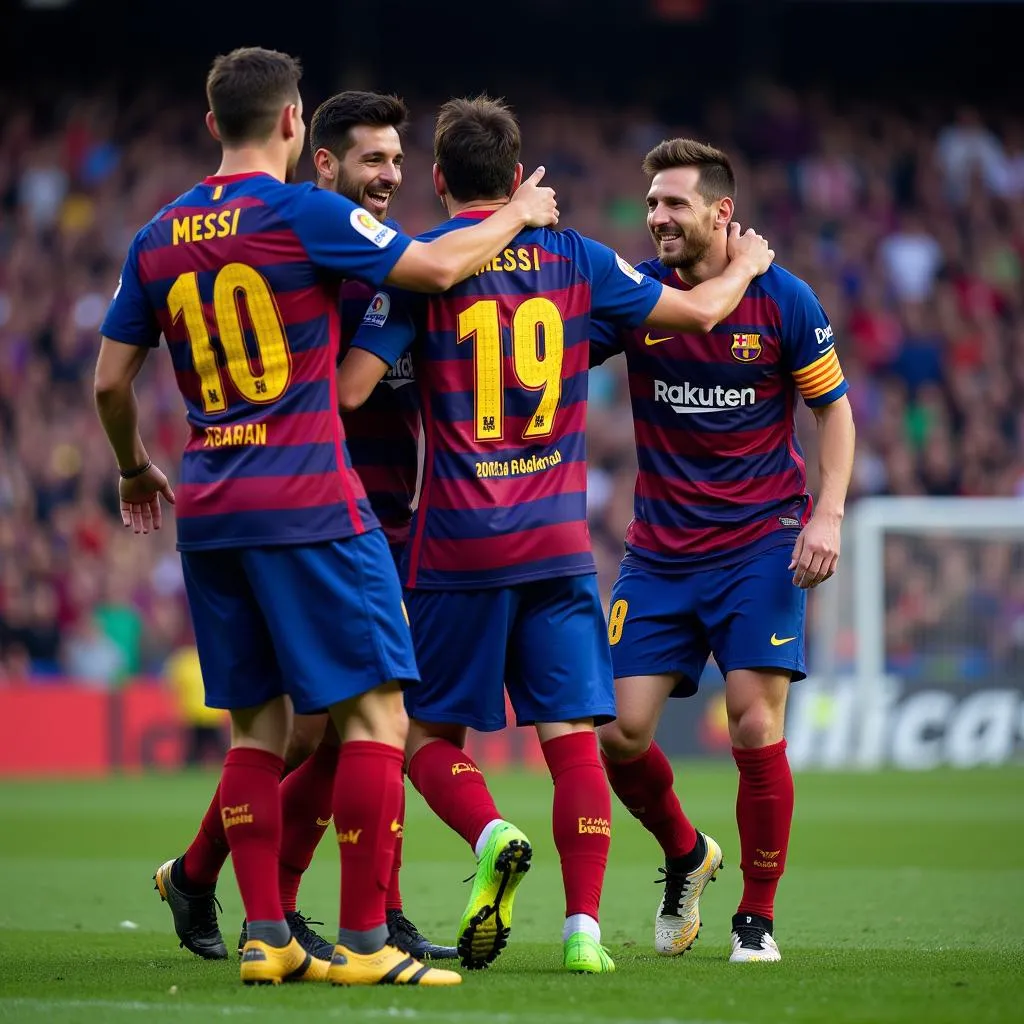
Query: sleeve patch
[371,228]
[629,270]
[377,312]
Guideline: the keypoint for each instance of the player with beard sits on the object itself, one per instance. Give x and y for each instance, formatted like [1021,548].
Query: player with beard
[357,151]
[289,579]
[725,541]
[501,581]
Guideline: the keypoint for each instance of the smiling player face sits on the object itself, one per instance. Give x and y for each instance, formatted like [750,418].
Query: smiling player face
[370,171]
[681,222]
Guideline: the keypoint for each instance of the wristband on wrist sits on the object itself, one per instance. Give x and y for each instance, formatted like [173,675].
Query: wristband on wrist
[130,474]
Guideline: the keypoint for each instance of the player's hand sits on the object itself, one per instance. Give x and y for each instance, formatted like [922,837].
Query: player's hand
[538,204]
[750,248]
[140,500]
[816,552]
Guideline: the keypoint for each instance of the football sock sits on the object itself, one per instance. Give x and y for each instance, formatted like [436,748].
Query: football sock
[644,785]
[199,868]
[453,786]
[307,798]
[485,835]
[581,923]
[367,802]
[581,819]
[764,813]
[250,797]
[393,899]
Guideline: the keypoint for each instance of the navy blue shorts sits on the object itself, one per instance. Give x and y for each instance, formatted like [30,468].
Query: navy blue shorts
[748,615]
[545,640]
[321,623]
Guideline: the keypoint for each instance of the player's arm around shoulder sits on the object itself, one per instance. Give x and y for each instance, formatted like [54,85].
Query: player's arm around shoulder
[702,307]
[809,348]
[440,264]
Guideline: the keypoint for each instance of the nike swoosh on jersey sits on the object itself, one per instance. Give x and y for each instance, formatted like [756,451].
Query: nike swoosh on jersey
[657,341]
[779,641]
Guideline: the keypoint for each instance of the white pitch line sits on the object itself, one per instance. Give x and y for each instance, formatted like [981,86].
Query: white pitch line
[395,1013]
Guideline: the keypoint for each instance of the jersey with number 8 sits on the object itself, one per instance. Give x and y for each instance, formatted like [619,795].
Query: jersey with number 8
[241,276]
[501,363]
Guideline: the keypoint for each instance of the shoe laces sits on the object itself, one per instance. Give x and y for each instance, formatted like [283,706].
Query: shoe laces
[751,936]
[399,924]
[204,916]
[299,924]
[676,885]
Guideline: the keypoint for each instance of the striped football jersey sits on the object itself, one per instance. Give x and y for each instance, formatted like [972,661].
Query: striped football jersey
[720,470]
[501,366]
[241,276]
[383,434]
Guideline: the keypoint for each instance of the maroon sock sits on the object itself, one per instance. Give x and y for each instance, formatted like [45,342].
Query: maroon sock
[581,818]
[764,813]
[250,795]
[307,798]
[367,799]
[203,860]
[644,785]
[453,786]
[393,899]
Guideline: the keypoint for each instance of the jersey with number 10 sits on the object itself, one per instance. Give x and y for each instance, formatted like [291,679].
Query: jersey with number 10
[501,364]
[241,275]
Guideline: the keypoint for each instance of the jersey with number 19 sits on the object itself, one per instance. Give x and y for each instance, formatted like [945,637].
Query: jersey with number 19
[499,564]
[289,580]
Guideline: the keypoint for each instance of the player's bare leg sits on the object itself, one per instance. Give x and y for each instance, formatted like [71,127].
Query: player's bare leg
[642,778]
[367,801]
[456,791]
[581,822]
[756,705]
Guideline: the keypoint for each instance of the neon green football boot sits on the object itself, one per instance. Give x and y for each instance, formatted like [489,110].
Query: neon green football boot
[583,954]
[487,920]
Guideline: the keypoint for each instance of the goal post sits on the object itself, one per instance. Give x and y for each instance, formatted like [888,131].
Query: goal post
[916,646]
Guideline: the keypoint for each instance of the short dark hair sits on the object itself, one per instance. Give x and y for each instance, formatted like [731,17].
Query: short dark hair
[716,180]
[246,89]
[476,146]
[333,121]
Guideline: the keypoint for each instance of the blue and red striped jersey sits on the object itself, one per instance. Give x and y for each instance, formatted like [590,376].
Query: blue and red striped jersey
[501,366]
[241,275]
[720,470]
[383,434]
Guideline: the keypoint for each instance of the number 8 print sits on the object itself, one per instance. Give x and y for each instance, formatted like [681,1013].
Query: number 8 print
[616,620]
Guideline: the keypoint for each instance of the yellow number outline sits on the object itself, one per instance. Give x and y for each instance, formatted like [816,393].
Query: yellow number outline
[234,283]
[481,323]
[616,620]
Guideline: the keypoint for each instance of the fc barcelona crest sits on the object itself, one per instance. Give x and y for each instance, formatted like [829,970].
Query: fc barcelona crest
[746,347]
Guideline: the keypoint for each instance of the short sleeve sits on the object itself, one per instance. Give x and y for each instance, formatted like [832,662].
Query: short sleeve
[809,348]
[619,292]
[340,236]
[131,318]
[606,340]
[389,325]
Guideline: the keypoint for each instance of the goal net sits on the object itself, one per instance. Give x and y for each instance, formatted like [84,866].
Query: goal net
[916,646]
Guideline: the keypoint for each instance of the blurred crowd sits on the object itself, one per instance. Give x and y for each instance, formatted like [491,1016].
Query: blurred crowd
[908,225]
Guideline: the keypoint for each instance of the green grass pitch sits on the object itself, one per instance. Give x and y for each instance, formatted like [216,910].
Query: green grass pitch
[903,901]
